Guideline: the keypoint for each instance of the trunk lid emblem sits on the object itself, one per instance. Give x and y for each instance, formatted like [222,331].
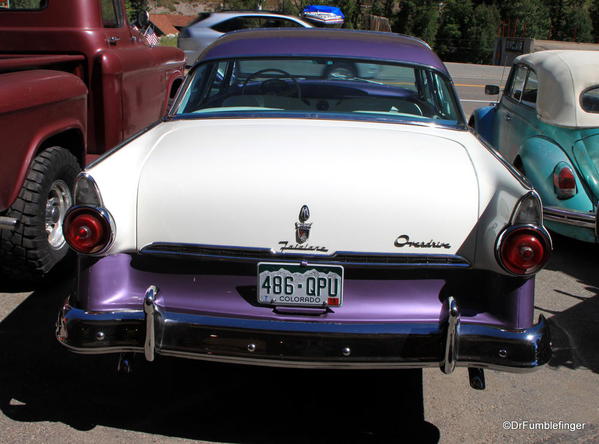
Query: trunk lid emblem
[302,229]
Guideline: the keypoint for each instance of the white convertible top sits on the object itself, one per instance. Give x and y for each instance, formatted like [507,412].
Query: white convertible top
[563,75]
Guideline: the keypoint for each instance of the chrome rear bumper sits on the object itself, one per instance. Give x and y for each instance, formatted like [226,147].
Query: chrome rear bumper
[571,217]
[304,344]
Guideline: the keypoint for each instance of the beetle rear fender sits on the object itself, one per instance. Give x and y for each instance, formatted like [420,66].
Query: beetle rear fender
[482,120]
[539,156]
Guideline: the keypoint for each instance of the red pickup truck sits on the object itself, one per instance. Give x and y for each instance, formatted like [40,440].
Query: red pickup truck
[75,80]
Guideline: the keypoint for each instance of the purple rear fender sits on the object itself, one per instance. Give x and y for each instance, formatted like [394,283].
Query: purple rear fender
[119,282]
[390,318]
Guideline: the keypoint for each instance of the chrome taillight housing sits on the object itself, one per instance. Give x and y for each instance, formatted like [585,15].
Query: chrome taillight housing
[564,181]
[88,230]
[523,250]
[524,246]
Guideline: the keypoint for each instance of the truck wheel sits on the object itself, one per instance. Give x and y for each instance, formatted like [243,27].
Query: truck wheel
[37,243]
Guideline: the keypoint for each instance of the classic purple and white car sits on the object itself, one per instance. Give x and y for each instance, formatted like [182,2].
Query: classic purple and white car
[286,218]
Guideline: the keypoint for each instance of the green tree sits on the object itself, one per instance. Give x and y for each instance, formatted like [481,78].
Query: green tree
[483,33]
[133,7]
[570,20]
[528,18]
[452,42]
[418,18]
[594,14]
[25,4]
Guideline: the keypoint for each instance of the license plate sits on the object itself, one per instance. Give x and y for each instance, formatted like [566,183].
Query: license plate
[299,285]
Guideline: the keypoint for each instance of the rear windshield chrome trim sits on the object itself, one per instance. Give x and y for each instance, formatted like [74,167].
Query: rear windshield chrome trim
[316,116]
[349,258]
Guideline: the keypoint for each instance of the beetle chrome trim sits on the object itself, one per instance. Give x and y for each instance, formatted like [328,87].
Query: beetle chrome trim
[292,344]
[571,217]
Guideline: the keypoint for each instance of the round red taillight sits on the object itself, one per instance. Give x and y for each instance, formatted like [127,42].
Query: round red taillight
[86,230]
[524,251]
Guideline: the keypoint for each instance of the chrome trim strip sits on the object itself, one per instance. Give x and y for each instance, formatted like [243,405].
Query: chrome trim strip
[7,223]
[570,217]
[253,254]
[150,310]
[292,344]
[451,340]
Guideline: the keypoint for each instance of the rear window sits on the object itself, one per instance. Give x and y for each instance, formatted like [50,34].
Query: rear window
[22,4]
[319,88]
[589,100]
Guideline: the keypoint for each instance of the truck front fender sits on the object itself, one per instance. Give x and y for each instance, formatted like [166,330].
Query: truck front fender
[34,107]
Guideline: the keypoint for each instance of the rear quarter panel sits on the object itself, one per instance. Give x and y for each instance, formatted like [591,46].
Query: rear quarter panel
[539,157]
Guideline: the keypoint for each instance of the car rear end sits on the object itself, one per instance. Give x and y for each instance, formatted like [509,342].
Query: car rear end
[286,219]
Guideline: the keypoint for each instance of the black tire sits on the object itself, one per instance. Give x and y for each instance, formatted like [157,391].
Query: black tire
[340,70]
[36,244]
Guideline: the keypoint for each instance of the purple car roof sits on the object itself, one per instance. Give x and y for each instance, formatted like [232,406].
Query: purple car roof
[324,43]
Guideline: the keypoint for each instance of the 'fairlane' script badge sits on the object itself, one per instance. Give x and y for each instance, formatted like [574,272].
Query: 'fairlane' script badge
[404,241]
[286,246]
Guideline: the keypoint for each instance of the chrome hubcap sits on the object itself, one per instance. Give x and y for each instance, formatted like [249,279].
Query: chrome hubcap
[59,200]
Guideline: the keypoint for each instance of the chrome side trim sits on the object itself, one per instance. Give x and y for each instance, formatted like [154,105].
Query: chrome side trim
[253,254]
[451,338]
[7,223]
[571,217]
[150,311]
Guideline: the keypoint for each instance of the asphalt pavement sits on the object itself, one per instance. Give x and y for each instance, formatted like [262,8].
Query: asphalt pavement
[50,395]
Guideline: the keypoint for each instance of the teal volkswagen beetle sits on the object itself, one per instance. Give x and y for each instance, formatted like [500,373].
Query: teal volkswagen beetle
[547,125]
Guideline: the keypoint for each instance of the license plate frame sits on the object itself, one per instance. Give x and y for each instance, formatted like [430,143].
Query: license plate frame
[311,285]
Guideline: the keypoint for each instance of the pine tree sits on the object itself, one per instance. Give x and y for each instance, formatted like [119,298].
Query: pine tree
[418,18]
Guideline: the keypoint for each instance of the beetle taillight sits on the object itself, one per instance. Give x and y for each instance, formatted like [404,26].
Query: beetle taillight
[524,250]
[87,230]
[564,181]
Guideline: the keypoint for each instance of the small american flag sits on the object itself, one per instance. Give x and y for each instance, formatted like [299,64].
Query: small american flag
[151,37]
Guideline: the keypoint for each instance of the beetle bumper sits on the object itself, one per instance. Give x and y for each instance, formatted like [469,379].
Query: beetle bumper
[571,217]
[304,344]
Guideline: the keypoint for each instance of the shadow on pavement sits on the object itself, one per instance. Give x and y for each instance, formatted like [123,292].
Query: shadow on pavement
[42,381]
[575,331]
